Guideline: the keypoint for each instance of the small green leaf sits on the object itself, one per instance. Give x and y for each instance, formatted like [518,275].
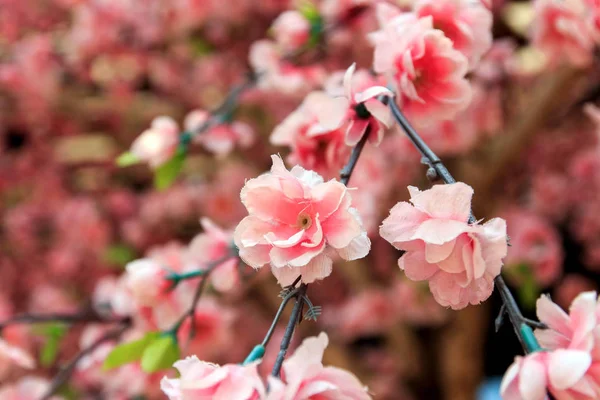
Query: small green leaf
[528,290]
[53,333]
[166,174]
[126,159]
[160,354]
[129,352]
[119,254]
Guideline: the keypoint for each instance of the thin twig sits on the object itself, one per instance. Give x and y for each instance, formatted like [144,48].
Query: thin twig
[510,305]
[289,330]
[346,172]
[65,372]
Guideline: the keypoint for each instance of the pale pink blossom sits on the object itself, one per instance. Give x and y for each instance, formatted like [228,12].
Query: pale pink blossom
[559,372]
[467,23]
[427,72]
[212,245]
[358,111]
[295,219]
[305,377]
[147,281]
[291,30]
[560,30]
[26,388]
[203,380]
[157,144]
[13,356]
[534,243]
[460,260]
[219,139]
[313,146]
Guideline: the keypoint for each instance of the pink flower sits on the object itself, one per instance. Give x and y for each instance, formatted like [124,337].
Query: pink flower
[360,111]
[147,281]
[159,143]
[534,243]
[219,139]
[293,218]
[468,24]
[291,30]
[26,388]
[427,72]
[11,356]
[313,146]
[210,246]
[306,378]
[560,30]
[559,372]
[459,260]
[202,380]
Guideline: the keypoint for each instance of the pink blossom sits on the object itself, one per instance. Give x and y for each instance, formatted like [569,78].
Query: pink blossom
[427,72]
[202,380]
[467,23]
[534,243]
[291,30]
[159,143]
[359,111]
[559,29]
[313,146]
[305,376]
[210,246]
[11,356]
[560,372]
[26,388]
[219,139]
[459,260]
[147,280]
[294,217]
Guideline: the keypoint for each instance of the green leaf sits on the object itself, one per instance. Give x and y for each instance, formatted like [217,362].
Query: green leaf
[161,354]
[53,333]
[166,174]
[528,290]
[119,254]
[129,352]
[126,159]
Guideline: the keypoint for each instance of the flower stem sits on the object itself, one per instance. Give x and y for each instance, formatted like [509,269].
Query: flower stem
[519,322]
[346,172]
[289,330]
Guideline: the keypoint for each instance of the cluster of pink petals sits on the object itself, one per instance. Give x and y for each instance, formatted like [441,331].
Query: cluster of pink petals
[210,246]
[219,139]
[467,23]
[202,380]
[561,29]
[276,73]
[460,260]
[535,243]
[336,112]
[27,388]
[305,376]
[569,367]
[426,70]
[313,146]
[291,30]
[146,279]
[157,144]
[13,356]
[295,219]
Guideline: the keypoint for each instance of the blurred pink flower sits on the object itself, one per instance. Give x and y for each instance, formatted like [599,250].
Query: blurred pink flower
[291,30]
[358,111]
[467,23]
[559,29]
[147,281]
[294,217]
[202,380]
[11,356]
[313,145]
[219,139]
[210,246]
[159,143]
[26,388]
[534,243]
[458,259]
[570,287]
[305,376]
[427,72]
[560,372]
